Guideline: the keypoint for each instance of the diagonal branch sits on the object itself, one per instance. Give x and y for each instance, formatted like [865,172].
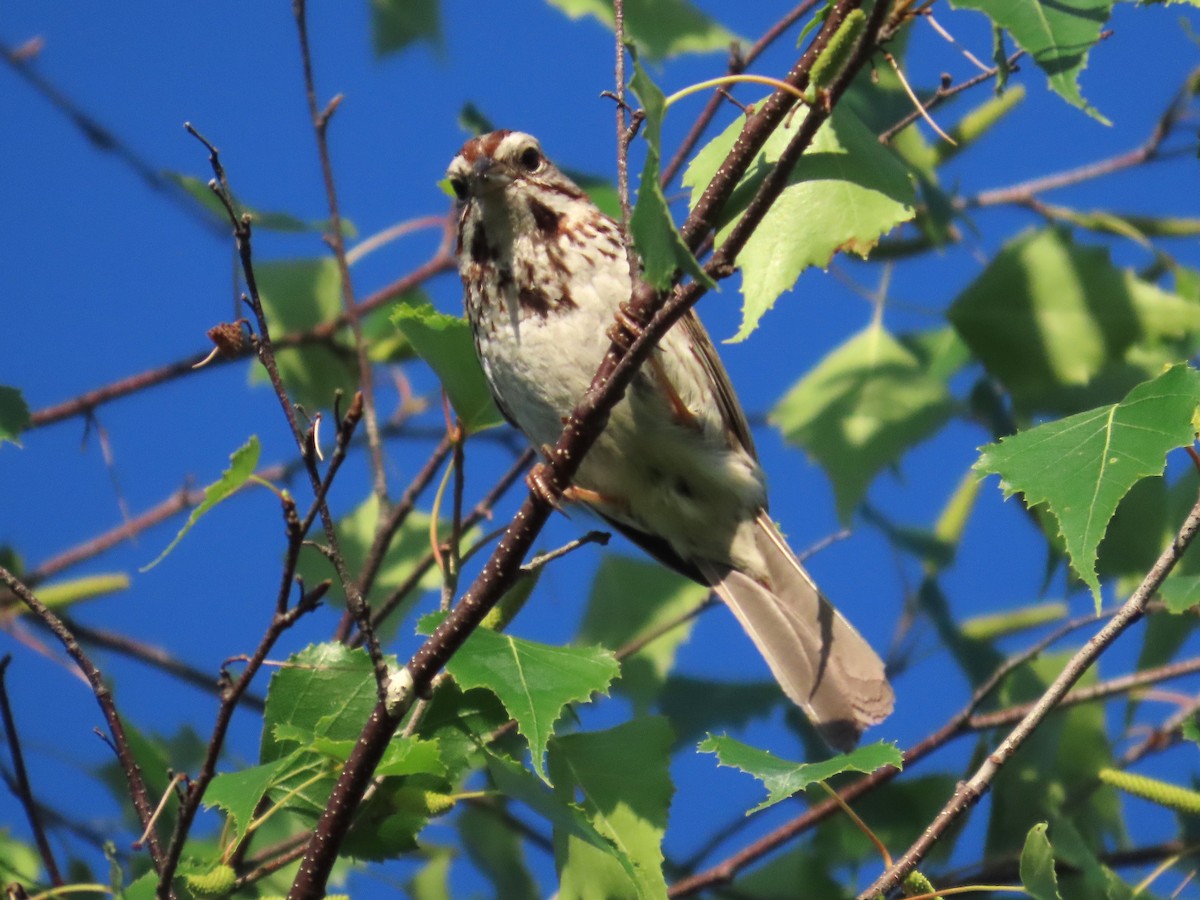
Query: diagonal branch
[129,765]
[969,792]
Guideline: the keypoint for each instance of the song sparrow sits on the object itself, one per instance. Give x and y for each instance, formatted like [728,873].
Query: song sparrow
[544,272]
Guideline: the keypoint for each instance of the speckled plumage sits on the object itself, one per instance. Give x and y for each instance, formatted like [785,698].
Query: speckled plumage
[544,272]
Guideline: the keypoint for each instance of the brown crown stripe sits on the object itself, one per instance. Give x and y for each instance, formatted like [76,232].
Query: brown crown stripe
[484,145]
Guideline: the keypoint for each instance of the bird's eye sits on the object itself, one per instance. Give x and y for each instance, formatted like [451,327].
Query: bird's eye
[459,186]
[530,159]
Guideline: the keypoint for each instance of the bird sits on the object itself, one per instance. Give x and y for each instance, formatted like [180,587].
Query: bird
[545,274]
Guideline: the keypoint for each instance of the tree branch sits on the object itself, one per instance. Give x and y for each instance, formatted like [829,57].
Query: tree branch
[969,792]
[133,774]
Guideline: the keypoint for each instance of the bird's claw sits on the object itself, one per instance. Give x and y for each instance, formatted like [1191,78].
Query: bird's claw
[541,484]
[627,328]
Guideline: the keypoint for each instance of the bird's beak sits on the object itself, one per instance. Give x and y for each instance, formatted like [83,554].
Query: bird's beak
[488,176]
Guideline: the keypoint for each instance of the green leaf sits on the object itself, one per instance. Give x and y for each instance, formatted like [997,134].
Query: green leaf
[1037,865]
[445,343]
[462,723]
[1058,35]
[991,626]
[241,466]
[14,415]
[860,409]
[239,793]
[1081,466]
[1181,592]
[497,851]
[622,777]
[396,24]
[534,681]
[1191,730]
[1064,329]
[658,28]
[658,241]
[432,881]
[845,193]
[326,690]
[783,778]
[565,815]
[19,862]
[1055,772]
[630,600]
[297,295]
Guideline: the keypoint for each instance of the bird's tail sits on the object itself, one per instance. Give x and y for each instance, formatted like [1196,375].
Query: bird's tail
[820,661]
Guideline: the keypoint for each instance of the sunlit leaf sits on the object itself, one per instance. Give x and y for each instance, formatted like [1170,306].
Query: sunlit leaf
[1037,865]
[1081,466]
[534,681]
[1063,329]
[396,24]
[445,343]
[297,295]
[659,28]
[846,191]
[632,599]
[658,241]
[621,777]
[1058,36]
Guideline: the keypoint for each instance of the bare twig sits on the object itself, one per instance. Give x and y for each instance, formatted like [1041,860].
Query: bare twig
[266,355]
[969,792]
[337,241]
[129,765]
[1148,150]
[439,263]
[24,792]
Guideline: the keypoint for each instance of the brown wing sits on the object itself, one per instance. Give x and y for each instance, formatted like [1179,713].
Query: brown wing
[722,390]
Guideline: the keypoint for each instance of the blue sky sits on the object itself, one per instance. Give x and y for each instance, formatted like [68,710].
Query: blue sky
[103,277]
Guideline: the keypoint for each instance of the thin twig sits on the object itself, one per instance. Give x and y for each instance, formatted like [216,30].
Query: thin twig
[337,241]
[120,742]
[1148,150]
[440,263]
[24,792]
[969,792]
[242,232]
